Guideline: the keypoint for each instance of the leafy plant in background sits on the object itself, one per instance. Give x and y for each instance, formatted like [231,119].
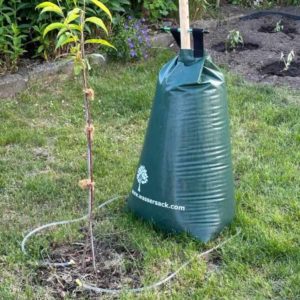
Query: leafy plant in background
[198,8]
[21,28]
[15,46]
[159,8]
[16,20]
[118,8]
[153,9]
[72,29]
[287,62]
[3,43]
[279,26]
[11,37]
[46,45]
[233,40]
[132,40]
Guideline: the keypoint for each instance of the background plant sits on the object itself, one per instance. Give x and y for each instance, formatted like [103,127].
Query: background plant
[11,36]
[159,8]
[73,28]
[22,27]
[233,40]
[118,8]
[46,44]
[198,8]
[278,26]
[153,9]
[132,40]
[287,62]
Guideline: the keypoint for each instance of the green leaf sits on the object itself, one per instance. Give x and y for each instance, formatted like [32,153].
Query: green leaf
[69,40]
[102,7]
[99,41]
[72,15]
[53,26]
[69,27]
[65,39]
[75,27]
[98,22]
[49,6]
[40,49]
[63,30]
[61,40]
[50,9]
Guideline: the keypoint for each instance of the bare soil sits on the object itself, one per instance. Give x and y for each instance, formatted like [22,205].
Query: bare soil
[278,69]
[287,29]
[221,47]
[258,60]
[118,265]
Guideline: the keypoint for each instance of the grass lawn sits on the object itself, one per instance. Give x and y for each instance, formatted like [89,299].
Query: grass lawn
[42,149]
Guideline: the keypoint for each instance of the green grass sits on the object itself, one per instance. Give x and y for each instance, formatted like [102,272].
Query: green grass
[42,146]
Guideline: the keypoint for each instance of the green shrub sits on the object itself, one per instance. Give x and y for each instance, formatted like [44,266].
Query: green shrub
[153,9]
[20,33]
[198,8]
[22,27]
[11,36]
[159,8]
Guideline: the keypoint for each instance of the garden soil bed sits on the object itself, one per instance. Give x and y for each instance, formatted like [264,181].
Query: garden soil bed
[277,68]
[259,59]
[118,266]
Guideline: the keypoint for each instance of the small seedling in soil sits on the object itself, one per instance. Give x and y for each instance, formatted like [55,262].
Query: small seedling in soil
[285,26]
[279,26]
[71,37]
[287,62]
[233,40]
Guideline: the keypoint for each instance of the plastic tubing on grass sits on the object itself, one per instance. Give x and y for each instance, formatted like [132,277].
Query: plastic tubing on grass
[95,289]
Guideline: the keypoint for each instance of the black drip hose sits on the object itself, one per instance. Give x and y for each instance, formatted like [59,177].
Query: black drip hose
[259,14]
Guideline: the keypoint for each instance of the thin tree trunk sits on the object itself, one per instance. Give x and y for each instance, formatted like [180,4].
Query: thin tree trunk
[88,120]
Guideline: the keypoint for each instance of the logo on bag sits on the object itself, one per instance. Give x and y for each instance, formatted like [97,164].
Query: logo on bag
[141,176]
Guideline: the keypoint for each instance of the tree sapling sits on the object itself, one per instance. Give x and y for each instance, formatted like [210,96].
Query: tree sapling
[72,32]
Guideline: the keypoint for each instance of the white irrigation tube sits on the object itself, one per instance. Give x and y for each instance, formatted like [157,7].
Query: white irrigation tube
[112,291]
[54,224]
[157,284]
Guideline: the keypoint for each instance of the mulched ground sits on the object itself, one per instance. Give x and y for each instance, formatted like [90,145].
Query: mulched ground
[258,60]
[118,265]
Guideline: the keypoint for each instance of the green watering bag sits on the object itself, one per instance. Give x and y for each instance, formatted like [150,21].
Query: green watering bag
[184,179]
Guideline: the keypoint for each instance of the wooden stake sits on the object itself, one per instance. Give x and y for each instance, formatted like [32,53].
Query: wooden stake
[184,24]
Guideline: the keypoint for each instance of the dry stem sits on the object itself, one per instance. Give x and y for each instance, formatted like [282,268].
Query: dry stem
[88,120]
